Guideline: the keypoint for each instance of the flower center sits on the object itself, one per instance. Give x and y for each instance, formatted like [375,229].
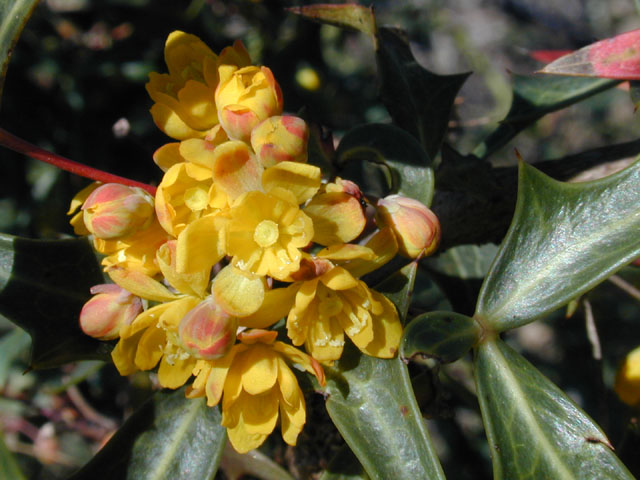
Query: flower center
[266,233]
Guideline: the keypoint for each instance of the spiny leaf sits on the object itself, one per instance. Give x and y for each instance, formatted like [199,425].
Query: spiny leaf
[410,167]
[170,436]
[616,57]
[349,16]
[13,17]
[535,96]
[418,100]
[43,286]
[564,239]
[443,336]
[534,429]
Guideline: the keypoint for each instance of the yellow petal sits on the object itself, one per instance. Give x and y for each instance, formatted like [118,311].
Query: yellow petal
[387,330]
[346,251]
[218,375]
[236,170]
[292,405]
[276,305]
[300,178]
[167,156]
[259,412]
[197,105]
[194,284]
[176,373]
[81,196]
[384,246]
[238,293]
[198,151]
[260,369]
[201,371]
[337,217]
[145,319]
[141,285]
[124,353]
[243,441]
[325,340]
[338,279]
[200,245]
[150,348]
[170,123]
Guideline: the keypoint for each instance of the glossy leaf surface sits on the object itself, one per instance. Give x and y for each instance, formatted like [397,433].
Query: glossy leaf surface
[616,57]
[372,404]
[564,239]
[409,166]
[13,16]
[350,16]
[533,97]
[170,436]
[418,100]
[43,286]
[443,336]
[534,429]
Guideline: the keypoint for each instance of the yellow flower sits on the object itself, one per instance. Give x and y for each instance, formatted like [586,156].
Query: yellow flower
[627,384]
[329,301]
[266,232]
[108,310]
[244,97]
[256,384]
[280,138]
[185,103]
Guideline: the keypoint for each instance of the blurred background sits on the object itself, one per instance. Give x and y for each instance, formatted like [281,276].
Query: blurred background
[75,86]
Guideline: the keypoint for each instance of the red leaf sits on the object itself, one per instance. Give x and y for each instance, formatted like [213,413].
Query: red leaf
[546,56]
[616,58]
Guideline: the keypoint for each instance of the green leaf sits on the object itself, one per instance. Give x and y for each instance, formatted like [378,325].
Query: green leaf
[410,167]
[534,97]
[344,466]
[253,463]
[11,346]
[534,429]
[354,17]
[170,436]
[443,336]
[418,100]
[564,239]
[372,404]
[399,287]
[43,286]
[465,261]
[13,17]
[9,468]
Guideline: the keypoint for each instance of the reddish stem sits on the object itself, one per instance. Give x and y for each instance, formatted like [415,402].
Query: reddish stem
[21,146]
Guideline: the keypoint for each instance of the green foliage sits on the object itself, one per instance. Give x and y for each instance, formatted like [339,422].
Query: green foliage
[170,436]
[8,466]
[534,429]
[43,285]
[564,240]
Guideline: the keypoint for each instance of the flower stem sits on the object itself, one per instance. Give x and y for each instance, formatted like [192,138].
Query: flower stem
[21,146]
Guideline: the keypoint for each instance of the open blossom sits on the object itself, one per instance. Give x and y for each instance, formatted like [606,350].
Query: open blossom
[627,383]
[256,386]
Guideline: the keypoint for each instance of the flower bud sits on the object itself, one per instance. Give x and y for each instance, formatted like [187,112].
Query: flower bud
[279,139]
[244,97]
[627,384]
[109,309]
[114,211]
[417,228]
[207,331]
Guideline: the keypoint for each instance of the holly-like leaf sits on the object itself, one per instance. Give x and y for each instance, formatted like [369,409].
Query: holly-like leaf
[534,429]
[354,17]
[399,287]
[371,402]
[418,100]
[465,261]
[443,336]
[564,239]
[170,436]
[533,97]
[43,286]
[409,166]
[616,57]
[14,15]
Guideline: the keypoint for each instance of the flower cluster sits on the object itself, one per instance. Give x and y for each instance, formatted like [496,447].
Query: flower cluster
[240,234]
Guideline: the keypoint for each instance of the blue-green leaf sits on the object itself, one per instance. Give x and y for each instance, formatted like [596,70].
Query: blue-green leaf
[534,429]
[564,239]
[170,436]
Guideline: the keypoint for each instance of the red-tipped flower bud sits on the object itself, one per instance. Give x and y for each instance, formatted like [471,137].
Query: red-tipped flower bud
[114,211]
[279,139]
[416,227]
[207,331]
[109,309]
